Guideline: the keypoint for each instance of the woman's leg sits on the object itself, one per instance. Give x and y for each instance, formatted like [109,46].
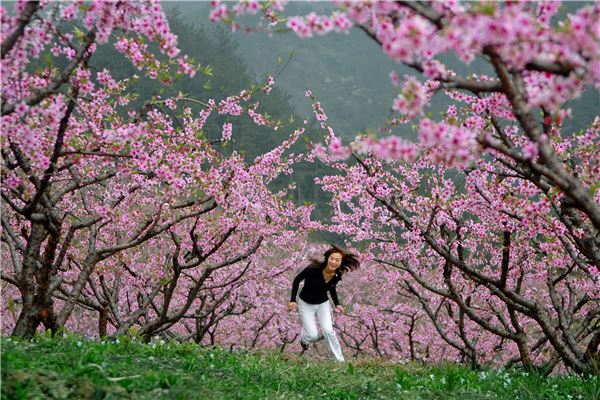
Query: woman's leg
[324,316]
[308,312]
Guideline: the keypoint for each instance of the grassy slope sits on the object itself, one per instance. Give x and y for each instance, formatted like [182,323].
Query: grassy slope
[80,369]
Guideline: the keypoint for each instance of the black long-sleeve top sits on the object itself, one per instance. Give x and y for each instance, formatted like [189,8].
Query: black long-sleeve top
[315,288]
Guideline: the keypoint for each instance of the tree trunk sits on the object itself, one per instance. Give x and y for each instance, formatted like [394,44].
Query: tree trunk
[103,322]
[592,353]
[31,312]
[28,321]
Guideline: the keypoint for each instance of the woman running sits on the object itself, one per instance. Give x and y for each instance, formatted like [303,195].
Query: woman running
[319,278]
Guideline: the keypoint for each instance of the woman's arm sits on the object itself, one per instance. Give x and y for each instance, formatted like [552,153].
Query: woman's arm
[336,301]
[334,296]
[296,284]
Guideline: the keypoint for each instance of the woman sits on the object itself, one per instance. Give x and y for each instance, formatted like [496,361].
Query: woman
[320,278]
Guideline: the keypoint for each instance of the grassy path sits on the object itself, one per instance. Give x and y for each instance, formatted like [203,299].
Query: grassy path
[74,368]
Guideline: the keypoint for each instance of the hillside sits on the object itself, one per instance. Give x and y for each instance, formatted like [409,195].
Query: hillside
[74,368]
[348,73]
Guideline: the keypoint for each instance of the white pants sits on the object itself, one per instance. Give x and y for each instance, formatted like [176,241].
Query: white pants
[309,326]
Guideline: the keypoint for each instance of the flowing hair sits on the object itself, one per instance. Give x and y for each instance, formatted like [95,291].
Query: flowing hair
[349,260]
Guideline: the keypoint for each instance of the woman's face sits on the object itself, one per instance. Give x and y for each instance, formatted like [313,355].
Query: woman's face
[334,261]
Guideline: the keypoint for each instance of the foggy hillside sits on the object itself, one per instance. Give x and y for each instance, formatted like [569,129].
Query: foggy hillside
[348,73]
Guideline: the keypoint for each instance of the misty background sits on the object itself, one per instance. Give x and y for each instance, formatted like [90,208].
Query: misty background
[348,73]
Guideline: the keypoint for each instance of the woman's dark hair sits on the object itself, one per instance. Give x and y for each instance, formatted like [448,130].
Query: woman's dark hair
[349,260]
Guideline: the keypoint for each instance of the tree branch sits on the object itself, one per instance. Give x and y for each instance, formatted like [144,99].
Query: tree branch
[24,20]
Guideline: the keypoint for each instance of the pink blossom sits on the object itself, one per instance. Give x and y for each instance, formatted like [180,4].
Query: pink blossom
[455,146]
[337,150]
[227,131]
[433,69]
[11,182]
[394,78]
[69,12]
[411,99]
[394,148]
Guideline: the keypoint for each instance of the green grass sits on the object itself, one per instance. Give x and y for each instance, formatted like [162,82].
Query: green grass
[75,368]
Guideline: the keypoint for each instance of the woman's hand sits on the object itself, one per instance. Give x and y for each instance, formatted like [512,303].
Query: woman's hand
[339,309]
[291,306]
